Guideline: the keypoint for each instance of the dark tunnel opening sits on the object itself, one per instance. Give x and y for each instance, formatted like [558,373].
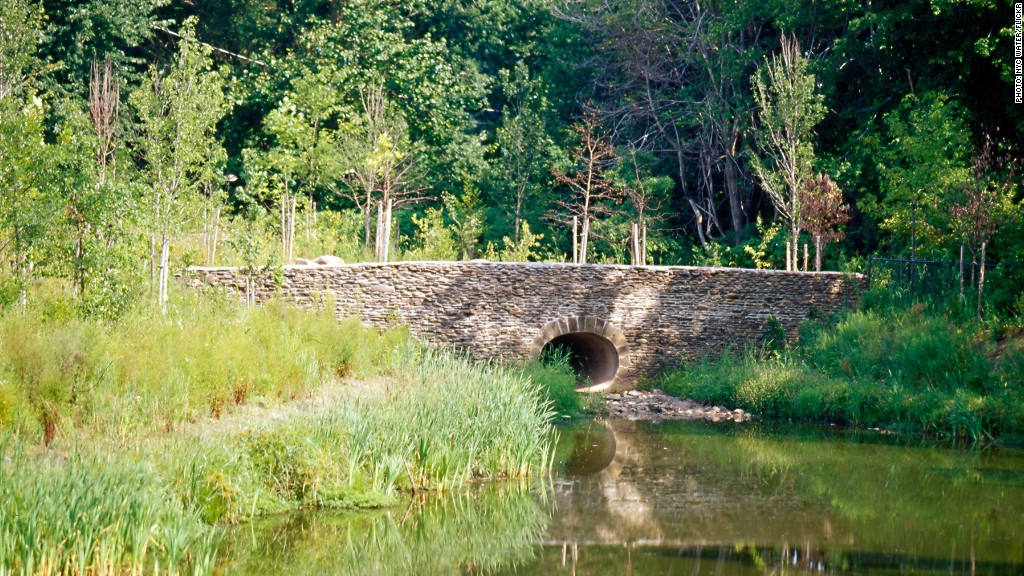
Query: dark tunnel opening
[589,355]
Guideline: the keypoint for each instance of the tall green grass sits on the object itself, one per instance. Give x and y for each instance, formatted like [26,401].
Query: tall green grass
[913,369]
[451,419]
[442,422]
[89,515]
[148,371]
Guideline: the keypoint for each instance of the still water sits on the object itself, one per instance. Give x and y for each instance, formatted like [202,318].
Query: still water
[685,498]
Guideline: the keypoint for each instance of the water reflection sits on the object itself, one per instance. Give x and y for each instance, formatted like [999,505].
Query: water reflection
[469,534]
[691,497]
[686,498]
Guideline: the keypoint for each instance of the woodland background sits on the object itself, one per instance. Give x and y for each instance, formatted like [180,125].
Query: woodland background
[140,137]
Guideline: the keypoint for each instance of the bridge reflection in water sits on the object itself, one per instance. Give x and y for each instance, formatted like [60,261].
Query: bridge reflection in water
[683,498]
[693,498]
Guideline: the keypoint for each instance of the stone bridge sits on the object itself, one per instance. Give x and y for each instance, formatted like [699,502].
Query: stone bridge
[622,323]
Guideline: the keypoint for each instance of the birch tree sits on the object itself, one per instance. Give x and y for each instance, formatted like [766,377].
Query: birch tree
[24,154]
[788,110]
[383,172]
[179,109]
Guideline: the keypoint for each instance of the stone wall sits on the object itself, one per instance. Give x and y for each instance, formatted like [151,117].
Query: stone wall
[654,316]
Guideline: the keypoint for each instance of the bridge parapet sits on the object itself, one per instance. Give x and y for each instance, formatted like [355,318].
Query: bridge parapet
[649,317]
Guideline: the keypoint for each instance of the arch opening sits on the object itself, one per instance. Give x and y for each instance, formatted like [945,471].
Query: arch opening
[589,355]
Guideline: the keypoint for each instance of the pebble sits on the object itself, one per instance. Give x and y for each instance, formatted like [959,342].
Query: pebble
[656,406]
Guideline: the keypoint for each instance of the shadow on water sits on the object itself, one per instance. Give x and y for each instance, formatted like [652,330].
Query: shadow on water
[687,498]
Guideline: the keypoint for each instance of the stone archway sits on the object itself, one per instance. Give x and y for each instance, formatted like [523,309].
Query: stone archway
[599,348]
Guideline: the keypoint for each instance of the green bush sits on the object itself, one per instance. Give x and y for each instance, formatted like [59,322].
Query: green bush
[909,369]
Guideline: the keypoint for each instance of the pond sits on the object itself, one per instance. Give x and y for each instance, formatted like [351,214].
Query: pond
[685,498]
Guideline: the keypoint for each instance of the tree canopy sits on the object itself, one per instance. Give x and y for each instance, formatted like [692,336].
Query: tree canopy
[278,129]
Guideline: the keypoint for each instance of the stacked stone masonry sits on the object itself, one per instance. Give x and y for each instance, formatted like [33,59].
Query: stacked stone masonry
[655,317]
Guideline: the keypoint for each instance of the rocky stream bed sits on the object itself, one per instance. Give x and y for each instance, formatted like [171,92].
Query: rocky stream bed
[656,406]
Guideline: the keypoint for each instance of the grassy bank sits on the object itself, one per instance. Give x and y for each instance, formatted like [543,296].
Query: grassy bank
[916,369]
[125,445]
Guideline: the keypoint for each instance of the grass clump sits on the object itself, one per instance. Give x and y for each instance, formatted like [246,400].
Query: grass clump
[86,515]
[553,372]
[444,421]
[915,370]
[451,419]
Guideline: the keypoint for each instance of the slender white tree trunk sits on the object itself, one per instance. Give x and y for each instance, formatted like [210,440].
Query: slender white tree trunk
[164,264]
[291,231]
[585,234]
[981,278]
[378,252]
[575,240]
[216,234]
[152,265]
[387,231]
[643,244]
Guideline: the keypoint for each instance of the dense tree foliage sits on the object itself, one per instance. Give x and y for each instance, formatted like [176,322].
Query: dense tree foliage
[139,137]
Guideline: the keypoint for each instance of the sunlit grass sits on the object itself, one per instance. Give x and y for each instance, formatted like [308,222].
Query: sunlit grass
[904,369]
[93,515]
[137,422]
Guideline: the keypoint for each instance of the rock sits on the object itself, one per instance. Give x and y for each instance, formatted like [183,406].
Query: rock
[655,406]
[327,260]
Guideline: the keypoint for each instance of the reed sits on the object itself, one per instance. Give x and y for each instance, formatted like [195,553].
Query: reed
[87,515]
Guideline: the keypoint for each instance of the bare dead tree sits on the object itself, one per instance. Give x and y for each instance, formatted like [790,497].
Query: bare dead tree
[646,206]
[590,188]
[104,108]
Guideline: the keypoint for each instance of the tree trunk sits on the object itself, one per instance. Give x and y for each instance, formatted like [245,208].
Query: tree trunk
[519,211]
[961,270]
[575,240]
[700,224]
[152,265]
[981,278]
[643,245]
[215,239]
[795,240]
[378,242]
[584,239]
[817,253]
[387,231]
[732,187]
[284,227]
[291,231]
[164,264]
[366,217]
